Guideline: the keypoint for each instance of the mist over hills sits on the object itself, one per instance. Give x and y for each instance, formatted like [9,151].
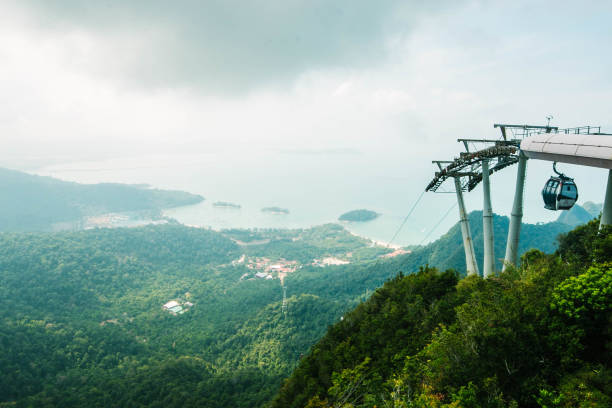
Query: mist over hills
[36,203]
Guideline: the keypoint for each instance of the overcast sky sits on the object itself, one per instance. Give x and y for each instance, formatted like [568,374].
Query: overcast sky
[81,80]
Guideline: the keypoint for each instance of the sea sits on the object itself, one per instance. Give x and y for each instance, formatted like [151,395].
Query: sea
[315,186]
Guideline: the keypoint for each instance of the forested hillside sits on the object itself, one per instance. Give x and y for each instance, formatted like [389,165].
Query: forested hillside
[446,253]
[82,322]
[536,336]
[35,203]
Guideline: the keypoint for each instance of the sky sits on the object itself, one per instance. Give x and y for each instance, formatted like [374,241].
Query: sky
[400,80]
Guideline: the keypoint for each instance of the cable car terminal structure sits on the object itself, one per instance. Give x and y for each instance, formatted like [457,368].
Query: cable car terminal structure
[585,146]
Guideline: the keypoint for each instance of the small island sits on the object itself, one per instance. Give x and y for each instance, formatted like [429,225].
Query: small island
[275,210]
[359,215]
[225,204]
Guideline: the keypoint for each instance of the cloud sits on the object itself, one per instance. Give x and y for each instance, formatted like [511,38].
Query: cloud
[97,77]
[321,152]
[384,87]
[226,45]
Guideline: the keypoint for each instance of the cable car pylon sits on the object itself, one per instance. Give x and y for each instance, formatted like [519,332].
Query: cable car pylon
[516,216]
[474,167]
[468,245]
[488,263]
[606,215]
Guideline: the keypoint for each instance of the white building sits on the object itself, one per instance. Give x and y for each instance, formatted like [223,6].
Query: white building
[171,304]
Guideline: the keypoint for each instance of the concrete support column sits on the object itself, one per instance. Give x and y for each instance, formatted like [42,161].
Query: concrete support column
[468,245]
[516,218]
[606,215]
[488,266]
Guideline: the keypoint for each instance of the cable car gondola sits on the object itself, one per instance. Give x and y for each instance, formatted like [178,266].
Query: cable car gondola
[559,192]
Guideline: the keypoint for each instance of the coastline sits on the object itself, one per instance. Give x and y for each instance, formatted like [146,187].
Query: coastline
[374,241]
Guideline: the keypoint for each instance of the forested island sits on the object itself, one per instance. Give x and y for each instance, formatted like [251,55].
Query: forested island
[35,203]
[225,204]
[359,216]
[275,210]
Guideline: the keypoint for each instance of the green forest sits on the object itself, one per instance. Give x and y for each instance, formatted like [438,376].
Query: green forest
[82,322]
[538,335]
[266,204]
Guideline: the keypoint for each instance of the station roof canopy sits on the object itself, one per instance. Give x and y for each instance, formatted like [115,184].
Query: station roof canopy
[593,150]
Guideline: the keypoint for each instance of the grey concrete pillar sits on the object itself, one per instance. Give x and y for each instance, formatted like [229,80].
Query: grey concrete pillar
[606,214]
[488,266]
[516,217]
[470,257]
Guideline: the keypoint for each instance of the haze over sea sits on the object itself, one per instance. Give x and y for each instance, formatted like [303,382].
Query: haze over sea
[315,186]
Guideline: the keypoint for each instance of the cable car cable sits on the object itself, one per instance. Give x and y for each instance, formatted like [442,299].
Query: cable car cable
[376,263]
[403,223]
[406,218]
[439,222]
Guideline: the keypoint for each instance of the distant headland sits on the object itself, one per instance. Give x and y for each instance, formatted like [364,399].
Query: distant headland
[39,203]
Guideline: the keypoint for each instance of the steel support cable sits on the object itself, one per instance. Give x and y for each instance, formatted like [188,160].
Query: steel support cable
[406,218]
[439,222]
[376,263]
